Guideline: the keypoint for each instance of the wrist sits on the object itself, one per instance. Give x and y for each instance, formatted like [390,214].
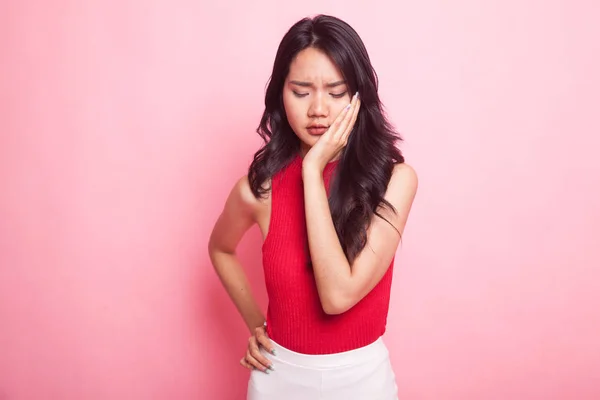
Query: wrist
[310,169]
[257,323]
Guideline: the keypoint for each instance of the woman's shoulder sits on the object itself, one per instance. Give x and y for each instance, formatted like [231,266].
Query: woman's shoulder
[244,196]
[404,179]
[405,171]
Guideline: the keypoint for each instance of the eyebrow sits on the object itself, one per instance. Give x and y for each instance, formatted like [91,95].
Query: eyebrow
[309,84]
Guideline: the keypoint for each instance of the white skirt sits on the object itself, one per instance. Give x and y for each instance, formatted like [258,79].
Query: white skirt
[361,374]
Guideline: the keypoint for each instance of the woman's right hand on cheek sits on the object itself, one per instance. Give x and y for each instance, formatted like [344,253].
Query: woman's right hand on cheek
[254,359]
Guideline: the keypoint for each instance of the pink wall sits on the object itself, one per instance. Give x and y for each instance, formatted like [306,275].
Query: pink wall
[124,126]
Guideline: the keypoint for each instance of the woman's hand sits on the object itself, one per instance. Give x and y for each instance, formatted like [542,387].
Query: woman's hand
[334,139]
[254,358]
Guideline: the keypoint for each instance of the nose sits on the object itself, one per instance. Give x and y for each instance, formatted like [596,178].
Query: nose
[318,106]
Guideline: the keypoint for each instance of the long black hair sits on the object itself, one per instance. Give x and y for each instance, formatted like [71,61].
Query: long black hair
[366,163]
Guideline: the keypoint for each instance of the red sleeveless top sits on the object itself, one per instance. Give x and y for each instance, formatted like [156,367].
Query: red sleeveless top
[295,318]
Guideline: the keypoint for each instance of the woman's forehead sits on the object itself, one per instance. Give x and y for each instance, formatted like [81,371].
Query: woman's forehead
[313,65]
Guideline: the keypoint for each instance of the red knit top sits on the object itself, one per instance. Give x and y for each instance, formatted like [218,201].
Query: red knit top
[295,318]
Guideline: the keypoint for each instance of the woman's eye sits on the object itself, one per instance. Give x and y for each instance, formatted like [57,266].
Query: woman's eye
[300,94]
[338,95]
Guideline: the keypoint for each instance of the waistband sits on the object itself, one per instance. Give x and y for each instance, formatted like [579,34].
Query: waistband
[375,350]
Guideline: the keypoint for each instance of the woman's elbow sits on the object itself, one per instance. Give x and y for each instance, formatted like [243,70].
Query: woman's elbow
[336,304]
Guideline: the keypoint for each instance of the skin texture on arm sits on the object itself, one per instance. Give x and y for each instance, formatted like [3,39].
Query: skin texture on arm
[241,211]
[238,215]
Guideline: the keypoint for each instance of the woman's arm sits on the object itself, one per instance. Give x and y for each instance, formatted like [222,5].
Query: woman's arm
[238,215]
[341,285]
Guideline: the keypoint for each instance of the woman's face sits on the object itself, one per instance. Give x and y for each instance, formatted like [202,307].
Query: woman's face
[314,93]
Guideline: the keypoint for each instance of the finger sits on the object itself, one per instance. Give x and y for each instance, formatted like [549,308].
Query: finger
[343,126]
[333,128]
[264,340]
[246,364]
[255,363]
[254,351]
[352,121]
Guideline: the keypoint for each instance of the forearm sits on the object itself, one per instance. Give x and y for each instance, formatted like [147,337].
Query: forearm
[233,278]
[331,268]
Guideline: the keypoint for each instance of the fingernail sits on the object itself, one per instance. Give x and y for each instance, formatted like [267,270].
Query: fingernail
[271,367]
[267,371]
[273,352]
[357,95]
[348,106]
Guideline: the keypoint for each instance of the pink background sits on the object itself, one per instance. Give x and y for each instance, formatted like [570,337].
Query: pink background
[125,124]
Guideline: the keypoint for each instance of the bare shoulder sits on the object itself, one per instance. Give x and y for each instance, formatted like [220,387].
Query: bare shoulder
[243,196]
[238,215]
[400,193]
[404,181]
[244,193]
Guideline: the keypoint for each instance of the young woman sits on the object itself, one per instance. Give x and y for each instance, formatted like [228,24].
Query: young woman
[331,194]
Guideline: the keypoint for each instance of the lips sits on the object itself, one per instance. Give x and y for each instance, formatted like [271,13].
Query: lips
[317,129]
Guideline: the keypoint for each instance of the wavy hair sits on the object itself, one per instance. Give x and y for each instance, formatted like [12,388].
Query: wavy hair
[361,178]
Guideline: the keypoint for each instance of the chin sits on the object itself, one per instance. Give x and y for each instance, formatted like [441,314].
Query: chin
[307,139]
[310,141]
